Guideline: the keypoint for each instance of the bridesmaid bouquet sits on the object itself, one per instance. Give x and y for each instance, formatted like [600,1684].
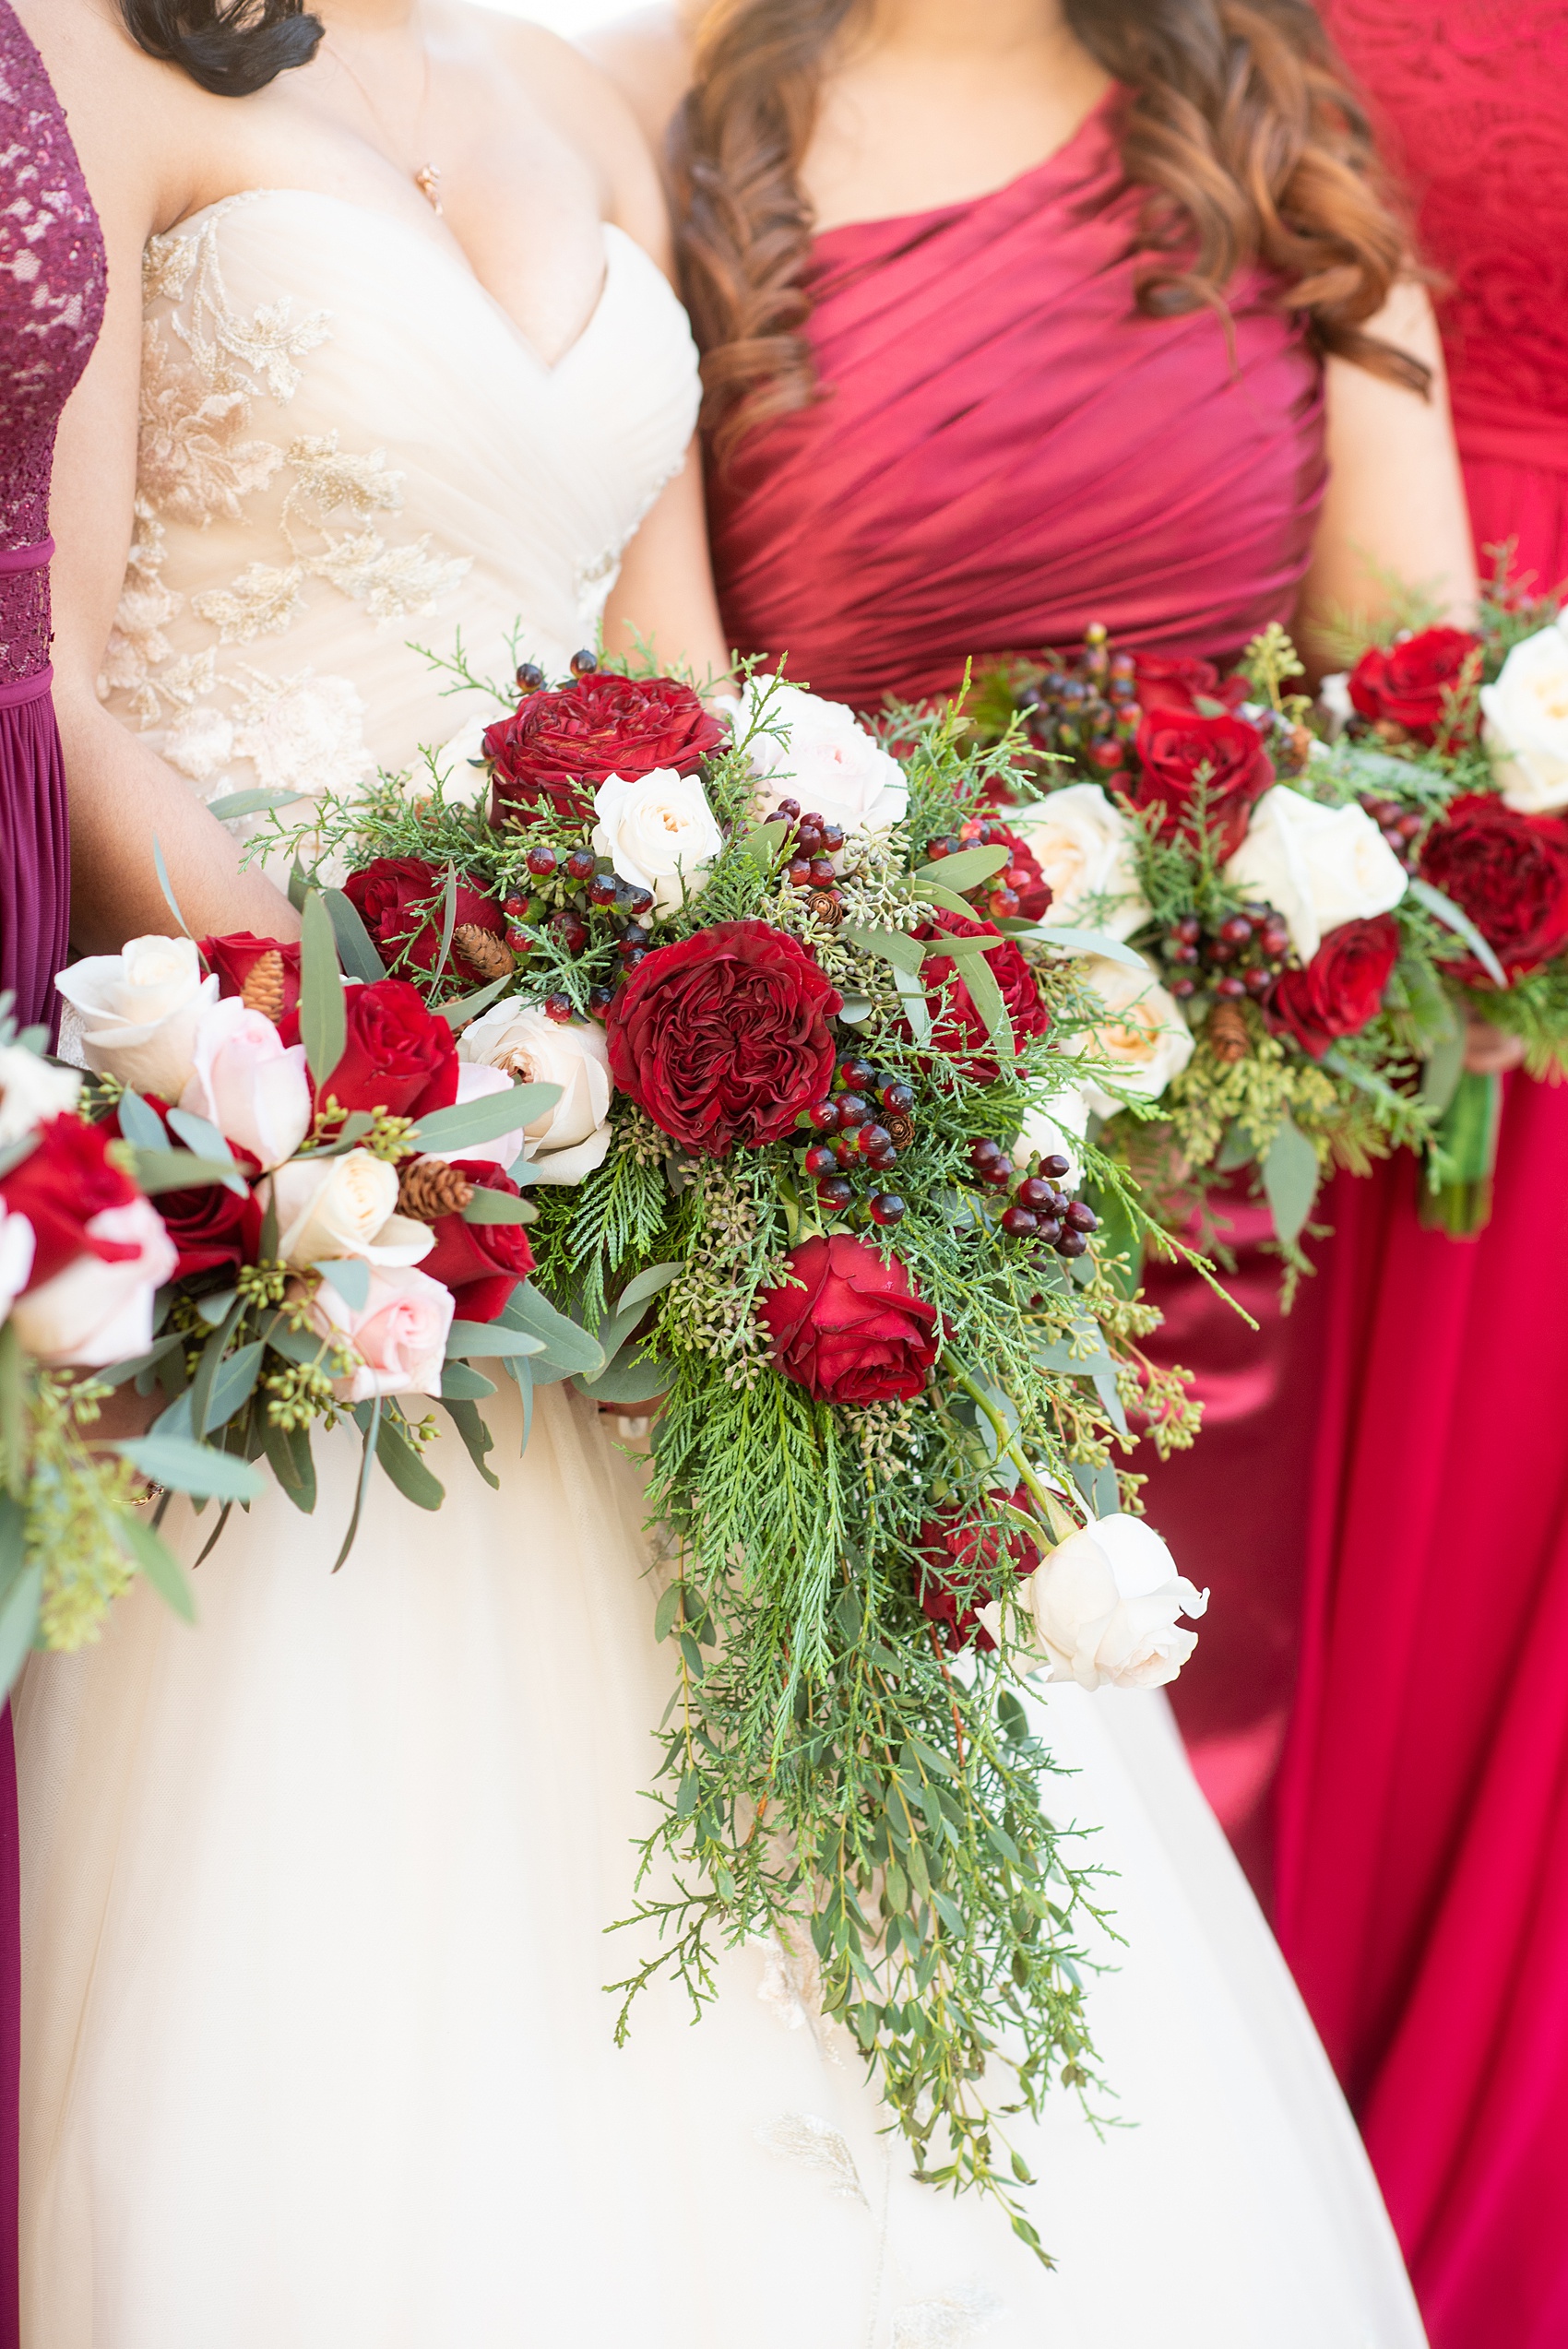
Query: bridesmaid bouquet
[802,1177]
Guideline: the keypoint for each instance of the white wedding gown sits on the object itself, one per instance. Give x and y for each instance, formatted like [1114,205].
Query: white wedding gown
[317,2054]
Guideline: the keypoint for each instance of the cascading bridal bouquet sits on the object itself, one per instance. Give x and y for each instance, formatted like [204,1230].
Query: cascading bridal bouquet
[804,1182]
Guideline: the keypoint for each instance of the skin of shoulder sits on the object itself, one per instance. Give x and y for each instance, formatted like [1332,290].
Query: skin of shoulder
[647,55]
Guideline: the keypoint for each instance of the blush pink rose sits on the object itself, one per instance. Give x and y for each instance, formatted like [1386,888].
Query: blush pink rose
[399,1334]
[248,1083]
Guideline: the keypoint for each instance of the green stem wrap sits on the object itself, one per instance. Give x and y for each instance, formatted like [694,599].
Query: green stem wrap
[1467,1136]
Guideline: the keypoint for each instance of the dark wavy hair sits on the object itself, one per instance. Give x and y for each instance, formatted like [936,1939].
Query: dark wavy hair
[231,47]
[1236,119]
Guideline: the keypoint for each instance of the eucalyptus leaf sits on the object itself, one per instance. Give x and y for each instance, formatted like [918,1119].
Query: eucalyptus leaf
[200,1136]
[482,1121]
[367,1418]
[459,1384]
[1090,942]
[469,1007]
[488,1339]
[142,1126]
[175,1422]
[497,1207]
[234,804]
[646,1284]
[189,1467]
[568,1351]
[894,946]
[855,1008]
[323,1020]
[157,1563]
[1441,1069]
[167,886]
[1289,1180]
[449,919]
[1454,917]
[986,997]
[299,885]
[233,1384]
[350,1275]
[932,893]
[628,1383]
[157,1170]
[289,1453]
[19,1621]
[401,1462]
[765,843]
[966,869]
[356,948]
[917,1010]
[476,1438]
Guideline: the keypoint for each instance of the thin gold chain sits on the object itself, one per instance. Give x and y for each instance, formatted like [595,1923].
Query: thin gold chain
[426,177]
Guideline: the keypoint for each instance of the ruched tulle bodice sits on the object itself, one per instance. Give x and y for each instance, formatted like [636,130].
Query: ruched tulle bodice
[340,426]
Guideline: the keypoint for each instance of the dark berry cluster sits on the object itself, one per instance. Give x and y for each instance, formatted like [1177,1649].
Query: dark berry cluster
[1017,889]
[863,1124]
[1402,828]
[1039,1210]
[1243,956]
[813,844]
[1085,707]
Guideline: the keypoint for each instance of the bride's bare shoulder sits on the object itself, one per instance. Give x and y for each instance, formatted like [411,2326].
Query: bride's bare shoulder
[649,57]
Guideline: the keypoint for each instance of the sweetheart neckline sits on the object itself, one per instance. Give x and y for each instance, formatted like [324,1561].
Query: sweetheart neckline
[453,255]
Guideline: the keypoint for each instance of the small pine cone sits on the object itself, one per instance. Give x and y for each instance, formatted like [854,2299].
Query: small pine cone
[263,989]
[482,951]
[430,1189]
[1229,1037]
[900,1127]
[827,906]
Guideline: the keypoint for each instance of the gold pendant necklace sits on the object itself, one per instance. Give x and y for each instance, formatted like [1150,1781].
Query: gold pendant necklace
[427,176]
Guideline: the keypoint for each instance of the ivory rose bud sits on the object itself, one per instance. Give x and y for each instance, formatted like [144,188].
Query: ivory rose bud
[569,1140]
[1083,844]
[1317,866]
[400,1333]
[1105,1605]
[818,753]
[344,1206]
[30,1091]
[248,1083]
[658,832]
[17,1244]
[97,1310]
[1525,727]
[1143,1034]
[139,1010]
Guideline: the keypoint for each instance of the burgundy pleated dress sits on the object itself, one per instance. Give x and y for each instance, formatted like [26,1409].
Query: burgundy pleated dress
[51,288]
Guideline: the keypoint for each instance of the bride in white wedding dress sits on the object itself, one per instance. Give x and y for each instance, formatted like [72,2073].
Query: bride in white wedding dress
[317,2051]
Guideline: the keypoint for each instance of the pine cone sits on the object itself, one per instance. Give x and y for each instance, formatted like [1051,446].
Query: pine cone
[482,951]
[430,1189]
[901,1128]
[263,989]
[827,906]
[1230,1039]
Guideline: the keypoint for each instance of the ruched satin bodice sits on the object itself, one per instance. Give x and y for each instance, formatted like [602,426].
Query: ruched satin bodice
[340,426]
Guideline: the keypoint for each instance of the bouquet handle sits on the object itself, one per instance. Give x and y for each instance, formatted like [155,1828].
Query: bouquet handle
[1461,1205]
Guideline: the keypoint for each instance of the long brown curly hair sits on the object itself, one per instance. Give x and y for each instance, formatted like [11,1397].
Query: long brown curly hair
[1235,118]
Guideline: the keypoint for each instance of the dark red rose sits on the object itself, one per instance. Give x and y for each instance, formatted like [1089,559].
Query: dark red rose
[958,1030]
[399,1056]
[213,1228]
[62,1183]
[1034,900]
[723,1038]
[1509,872]
[1412,684]
[1341,989]
[1179,681]
[960,1557]
[234,957]
[480,1264]
[856,1331]
[401,901]
[1183,755]
[559,747]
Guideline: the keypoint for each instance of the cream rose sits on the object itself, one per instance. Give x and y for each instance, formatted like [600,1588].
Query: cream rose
[248,1083]
[18,1241]
[1056,1131]
[400,1333]
[569,1140]
[30,1091]
[461,764]
[1526,723]
[92,1312]
[658,832]
[1143,1034]
[344,1206]
[1105,1605]
[478,1082]
[139,1010]
[1316,866]
[818,753]
[1083,844]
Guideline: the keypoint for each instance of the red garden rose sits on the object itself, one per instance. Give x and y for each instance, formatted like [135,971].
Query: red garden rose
[62,1183]
[1180,753]
[215,1229]
[724,1037]
[855,1332]
[1340,990]
[959,1559]
[1410,684]
[480,1264]
[399,1056]
[1179,681]
[234,957]
[1509,872]
[558,747]
[401,902]
[958,1030]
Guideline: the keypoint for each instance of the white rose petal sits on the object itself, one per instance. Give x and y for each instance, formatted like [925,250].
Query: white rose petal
[17,1241]
[818,753]
[1142,1035]
[570,1140]
[477,1082]
[1055,1132]
[94,1313]
[1105,1606]
[658,832]
[1316,866]
[31,1092]
[344,1206]
[1526,723]
[140,1010]
[1083,845]
[248,1083]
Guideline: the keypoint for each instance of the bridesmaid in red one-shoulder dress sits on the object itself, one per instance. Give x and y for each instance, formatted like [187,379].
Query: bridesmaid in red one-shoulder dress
[1423,1831]
[52,287]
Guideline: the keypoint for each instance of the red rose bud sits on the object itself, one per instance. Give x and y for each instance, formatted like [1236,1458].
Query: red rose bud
[480,1264]
[559,747]
[399,1056]
[1342,987]
[958,1030]
[1178,681]
[960,1557]
[1509,872]
[234,957]
[724,1037]
[854,1331]
[60,1186]
[1175,749]
[401,901]
[1414,685]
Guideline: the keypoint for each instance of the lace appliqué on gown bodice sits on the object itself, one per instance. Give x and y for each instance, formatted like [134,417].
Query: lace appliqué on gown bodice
[51,288]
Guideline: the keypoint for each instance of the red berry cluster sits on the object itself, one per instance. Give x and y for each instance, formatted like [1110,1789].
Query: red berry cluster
[862,1124]
[1018,889]
[813,847]
[1039,1210]
[1243,956]
[1086,708]
[1402,828]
